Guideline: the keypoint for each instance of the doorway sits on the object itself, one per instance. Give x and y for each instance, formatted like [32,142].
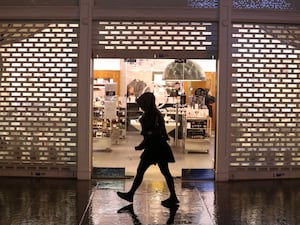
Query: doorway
[181,88]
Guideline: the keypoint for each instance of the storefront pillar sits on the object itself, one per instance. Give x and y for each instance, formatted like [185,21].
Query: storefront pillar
[84,163]
[224,90]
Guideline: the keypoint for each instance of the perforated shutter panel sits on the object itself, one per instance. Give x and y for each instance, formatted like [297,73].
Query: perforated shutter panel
[38,99]
[265,107]
[138,39]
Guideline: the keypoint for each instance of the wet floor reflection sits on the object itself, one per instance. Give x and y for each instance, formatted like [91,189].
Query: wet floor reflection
[129,209]
[37,201]
[69,202]
[258,202]
[107,208]
[206,202]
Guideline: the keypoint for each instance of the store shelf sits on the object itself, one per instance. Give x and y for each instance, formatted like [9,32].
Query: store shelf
[114,129]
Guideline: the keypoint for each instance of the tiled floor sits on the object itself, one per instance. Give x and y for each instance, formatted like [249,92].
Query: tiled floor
[25,201]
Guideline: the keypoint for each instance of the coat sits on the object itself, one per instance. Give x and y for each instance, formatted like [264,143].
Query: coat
[155,137]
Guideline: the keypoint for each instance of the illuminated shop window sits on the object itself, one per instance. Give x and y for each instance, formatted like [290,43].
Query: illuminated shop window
[203,3]
[265,4]
[38,96]
[265,97]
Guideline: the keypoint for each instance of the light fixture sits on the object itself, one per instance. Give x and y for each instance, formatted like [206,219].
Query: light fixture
[182,69]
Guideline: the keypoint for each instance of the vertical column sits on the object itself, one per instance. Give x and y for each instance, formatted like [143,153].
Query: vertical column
[84,162]
[224,91]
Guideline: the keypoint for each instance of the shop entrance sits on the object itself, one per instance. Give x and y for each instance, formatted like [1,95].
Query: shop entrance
[185,93]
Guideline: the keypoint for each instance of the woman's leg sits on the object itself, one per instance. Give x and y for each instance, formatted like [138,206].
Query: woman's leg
[142,167]
[164,168]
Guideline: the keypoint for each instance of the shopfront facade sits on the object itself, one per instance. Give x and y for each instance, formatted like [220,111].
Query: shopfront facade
[47,78]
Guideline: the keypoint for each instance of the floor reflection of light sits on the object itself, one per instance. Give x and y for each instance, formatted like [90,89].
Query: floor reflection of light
[158,186]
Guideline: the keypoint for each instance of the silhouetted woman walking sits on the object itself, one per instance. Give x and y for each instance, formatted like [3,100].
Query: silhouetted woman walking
[156,148]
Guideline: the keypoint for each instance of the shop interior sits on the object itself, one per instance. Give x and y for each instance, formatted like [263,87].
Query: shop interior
[185,91]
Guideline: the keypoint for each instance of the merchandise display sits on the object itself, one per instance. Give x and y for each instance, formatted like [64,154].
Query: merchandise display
[188,122]
[183,102]
[109,120]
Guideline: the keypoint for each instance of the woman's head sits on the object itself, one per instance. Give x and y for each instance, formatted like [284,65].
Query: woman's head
[146,101]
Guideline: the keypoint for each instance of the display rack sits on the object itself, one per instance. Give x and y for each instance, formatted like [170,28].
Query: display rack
[101,125]
[197,133]
[109,120]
